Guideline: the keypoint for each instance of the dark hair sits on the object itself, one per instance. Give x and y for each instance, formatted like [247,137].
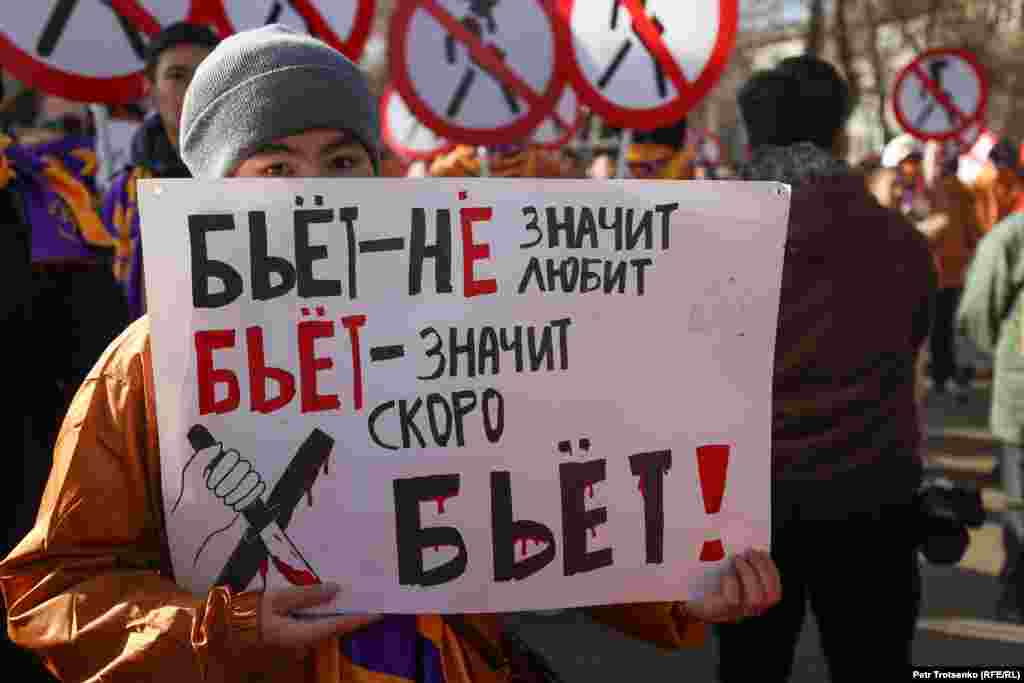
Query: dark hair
[180,33]
[673,135]
[1006,154]
[803,99]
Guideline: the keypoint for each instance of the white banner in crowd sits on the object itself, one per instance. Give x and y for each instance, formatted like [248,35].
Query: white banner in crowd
[471,396]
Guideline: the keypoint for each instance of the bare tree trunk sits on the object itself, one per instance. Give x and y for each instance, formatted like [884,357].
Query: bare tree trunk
[845,47]
[878,66]
[815,40]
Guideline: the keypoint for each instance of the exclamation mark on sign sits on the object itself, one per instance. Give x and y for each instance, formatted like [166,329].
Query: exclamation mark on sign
[712,463]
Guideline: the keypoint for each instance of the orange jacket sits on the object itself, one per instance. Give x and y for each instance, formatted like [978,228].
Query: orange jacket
[90,588]
[952,230]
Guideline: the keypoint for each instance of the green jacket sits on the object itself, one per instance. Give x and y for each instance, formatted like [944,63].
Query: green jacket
[990,314]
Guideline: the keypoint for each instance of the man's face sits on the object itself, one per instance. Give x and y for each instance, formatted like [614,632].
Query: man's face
[313,154]
[171,77]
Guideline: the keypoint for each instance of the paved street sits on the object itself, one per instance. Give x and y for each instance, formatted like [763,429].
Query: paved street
[957,626]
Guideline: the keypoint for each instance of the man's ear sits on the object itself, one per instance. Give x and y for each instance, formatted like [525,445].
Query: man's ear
[147,85]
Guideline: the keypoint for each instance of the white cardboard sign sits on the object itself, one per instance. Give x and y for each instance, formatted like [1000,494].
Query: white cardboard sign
[471,396]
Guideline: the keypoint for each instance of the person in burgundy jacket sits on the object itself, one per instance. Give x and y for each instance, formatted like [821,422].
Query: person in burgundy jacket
[857,289]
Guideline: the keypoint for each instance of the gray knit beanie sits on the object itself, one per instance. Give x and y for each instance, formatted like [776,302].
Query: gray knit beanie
[268,83]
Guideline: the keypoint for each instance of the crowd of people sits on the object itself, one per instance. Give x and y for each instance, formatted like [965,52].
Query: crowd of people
[888,263]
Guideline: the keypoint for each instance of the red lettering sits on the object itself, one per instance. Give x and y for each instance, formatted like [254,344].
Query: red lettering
[352,323]
[207,342]
[474,252]
[259,373]
[309,365]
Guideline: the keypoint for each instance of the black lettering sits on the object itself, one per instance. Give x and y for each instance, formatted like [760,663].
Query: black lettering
[532,268]
[412,538]
[561,272]
[589,275]
[204,268]
[577,520]
[639,264]
[586,228]
[554,226]
[542,350]
[436,350]
[305,254]
[506,531]
[461,412]
[617,278]
[455,349]
[488,350]
[516,344]
[406,418]
[441,251]
[532,226]
[644,229]
[440,437]
[562,325]
[651,467]
[616,226]
[348,216]
[665,211]
[263,264]
[495,427]
[372,423]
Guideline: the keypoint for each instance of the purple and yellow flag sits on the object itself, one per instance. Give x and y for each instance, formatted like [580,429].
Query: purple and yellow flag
[59,207]
[120,215]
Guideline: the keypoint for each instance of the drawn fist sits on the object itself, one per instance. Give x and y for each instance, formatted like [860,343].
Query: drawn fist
[227,475]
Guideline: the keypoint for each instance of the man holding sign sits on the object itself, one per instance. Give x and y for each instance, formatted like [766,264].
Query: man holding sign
[90,589]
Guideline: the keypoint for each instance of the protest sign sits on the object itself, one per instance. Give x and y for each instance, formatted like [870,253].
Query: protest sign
[89,51]
[464,396]
[479,73]
[940,94]
[646,63]
[343,24]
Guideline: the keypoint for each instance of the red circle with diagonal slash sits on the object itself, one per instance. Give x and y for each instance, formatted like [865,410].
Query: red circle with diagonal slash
[689,93]
[395,144]
[966,119]
[569,128]
[72,86]
[213,12]
[540,104]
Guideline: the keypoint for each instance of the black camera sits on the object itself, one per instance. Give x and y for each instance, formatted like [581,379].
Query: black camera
[946,511]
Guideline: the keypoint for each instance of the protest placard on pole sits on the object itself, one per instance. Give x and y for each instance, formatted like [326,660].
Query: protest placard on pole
[478,73]
[940,94]
[343,24]
[472,396]
[85,51]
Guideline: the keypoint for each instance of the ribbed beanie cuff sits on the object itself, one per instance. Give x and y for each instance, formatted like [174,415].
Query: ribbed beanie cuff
[261,85]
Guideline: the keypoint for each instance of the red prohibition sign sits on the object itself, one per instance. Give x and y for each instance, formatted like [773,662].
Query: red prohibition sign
[568,128]
[394,141]
[689,94]
[213,12]
[964,119]
[69,85]
[540,104]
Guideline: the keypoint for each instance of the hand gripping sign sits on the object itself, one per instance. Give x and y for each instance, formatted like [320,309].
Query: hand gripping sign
[342,24]
[480,72]
[404,135]
[646,63]
[85,50]
[940,94]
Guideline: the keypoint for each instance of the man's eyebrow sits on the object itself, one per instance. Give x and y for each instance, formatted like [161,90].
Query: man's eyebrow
[340,142]
[273,148]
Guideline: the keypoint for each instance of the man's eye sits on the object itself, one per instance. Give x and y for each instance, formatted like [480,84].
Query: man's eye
[343,163]
[277,170]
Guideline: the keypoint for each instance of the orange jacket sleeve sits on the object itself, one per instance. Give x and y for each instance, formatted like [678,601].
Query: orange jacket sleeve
[89,589]
[665,624]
